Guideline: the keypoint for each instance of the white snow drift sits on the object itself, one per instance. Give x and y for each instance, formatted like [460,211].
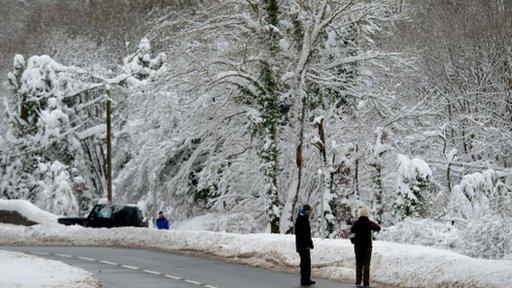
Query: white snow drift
[26,271]
[29,210]
[394,264]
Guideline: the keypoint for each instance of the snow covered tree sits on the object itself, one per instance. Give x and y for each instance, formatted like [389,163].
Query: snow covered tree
[377,150]
[338,194]
[55,189]
[314,52]
[413,182]
[55,114]
[256,75]
[464,76]
[325,173]
[14,77]
[140,67]
[479,194]
[46,117]
[272,112]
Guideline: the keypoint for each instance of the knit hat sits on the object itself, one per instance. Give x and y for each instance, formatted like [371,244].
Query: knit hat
[303,210]
[364,211]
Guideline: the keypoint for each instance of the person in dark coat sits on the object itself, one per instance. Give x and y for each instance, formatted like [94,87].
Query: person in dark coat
[162,223]
[304,244]
[361,237]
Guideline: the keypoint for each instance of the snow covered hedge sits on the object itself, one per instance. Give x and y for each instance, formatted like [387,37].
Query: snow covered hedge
[394,264]
[487,237]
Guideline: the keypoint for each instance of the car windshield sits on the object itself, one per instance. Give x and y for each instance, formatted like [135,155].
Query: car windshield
[101,212]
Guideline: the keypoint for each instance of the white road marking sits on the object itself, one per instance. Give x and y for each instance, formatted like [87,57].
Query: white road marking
[63,255]
[108,263]
[152,272]
[173,277]
[125,266]
[193,282]
[87,259]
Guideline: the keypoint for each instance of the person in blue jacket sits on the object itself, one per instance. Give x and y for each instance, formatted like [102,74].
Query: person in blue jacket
[162,222]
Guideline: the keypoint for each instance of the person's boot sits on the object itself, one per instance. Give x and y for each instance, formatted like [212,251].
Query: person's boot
[307,283]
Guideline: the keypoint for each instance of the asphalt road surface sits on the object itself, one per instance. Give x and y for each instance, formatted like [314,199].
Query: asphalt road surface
[127,268]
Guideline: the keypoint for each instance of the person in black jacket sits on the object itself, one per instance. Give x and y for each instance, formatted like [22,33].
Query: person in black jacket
[361,237]
[304,244]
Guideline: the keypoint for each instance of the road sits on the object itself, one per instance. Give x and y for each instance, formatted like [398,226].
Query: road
[127,268]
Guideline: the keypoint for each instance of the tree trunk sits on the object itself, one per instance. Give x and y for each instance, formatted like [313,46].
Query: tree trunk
[377,190]
[299,156]
[356,172]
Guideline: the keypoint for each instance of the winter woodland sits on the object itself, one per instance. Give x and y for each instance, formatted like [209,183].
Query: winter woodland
[249,109]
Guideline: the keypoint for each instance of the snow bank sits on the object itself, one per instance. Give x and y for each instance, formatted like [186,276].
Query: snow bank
[25,271]
[29,211]
[241,223]
[393,264]
[486,237]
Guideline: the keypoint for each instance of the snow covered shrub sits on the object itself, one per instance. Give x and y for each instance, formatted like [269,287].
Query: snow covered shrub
[218,222]
[425,232]
[480,194]
[237,223]
[55,192]
[486,237]
[14,77]
[80,190]
[140,67]
[413,181]
[17,181]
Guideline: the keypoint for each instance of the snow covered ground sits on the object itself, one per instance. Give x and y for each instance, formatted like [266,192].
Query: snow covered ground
[487,237]
[394,264]
[217,222]
[26,271]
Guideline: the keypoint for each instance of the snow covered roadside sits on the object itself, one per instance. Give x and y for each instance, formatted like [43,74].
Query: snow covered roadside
[240,223]
[393,264]
[28,210]
[26,271]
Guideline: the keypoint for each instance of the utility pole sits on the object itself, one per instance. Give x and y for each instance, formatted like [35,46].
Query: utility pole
[109,145]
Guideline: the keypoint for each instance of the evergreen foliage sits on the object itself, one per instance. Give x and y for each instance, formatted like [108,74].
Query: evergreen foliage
[413,183]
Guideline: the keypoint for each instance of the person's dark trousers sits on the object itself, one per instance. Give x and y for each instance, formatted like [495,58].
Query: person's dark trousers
[363,259]
[305,265]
